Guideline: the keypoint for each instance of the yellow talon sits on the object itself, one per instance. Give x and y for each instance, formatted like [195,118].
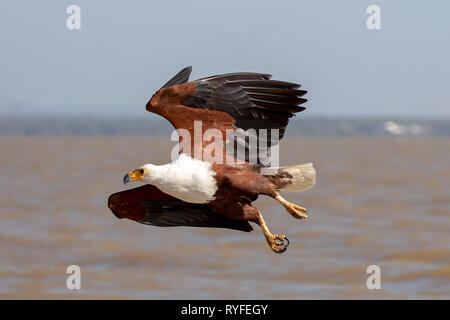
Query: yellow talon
[295,210]
[278,243]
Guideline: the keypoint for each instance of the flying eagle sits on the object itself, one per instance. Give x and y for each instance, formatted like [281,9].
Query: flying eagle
[192,191]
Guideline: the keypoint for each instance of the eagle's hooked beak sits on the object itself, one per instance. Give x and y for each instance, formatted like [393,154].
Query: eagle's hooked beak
[134,175]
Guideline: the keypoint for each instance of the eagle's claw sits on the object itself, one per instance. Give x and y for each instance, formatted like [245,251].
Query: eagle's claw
[278,243]
[296,211]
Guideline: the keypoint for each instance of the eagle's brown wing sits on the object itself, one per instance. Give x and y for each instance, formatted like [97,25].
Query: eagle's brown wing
[230,101]
[149,205]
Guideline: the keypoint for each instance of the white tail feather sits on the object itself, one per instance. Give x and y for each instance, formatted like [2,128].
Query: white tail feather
[300,177]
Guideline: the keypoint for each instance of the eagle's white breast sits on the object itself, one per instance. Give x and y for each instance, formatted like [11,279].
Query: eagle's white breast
[187,179]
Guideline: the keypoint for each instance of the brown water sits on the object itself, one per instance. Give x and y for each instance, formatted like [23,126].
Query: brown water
[377,201]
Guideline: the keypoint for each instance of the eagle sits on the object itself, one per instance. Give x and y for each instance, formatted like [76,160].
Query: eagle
[218,191]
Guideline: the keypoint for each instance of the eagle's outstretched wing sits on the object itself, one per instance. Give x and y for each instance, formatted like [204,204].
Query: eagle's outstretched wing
[230,101]
[149,205]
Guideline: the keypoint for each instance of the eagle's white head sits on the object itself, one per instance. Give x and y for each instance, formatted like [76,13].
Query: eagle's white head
[188,179]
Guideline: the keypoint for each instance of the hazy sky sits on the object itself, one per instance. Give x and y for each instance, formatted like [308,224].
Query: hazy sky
[126,50]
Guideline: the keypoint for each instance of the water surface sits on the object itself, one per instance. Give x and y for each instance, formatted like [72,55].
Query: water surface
[378,201]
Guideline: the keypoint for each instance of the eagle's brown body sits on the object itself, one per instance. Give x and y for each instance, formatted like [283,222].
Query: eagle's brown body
[238,188]
[221,103]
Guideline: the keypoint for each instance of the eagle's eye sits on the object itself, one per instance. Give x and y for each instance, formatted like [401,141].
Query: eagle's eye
[141,171]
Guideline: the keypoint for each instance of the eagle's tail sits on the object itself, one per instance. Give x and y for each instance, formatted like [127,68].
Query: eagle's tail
[297,177]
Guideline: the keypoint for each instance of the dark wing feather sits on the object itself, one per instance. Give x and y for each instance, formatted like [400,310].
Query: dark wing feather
[248,96]
[179,78]
[172,213]
[254,101]
[149,205]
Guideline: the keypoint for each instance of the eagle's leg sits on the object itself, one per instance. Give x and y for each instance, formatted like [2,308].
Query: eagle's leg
[277,242]
[295,210]
[243,210]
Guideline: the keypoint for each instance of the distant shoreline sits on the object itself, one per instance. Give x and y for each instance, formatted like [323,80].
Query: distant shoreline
[299,127]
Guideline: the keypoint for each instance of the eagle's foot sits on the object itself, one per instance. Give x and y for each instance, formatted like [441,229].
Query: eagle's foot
[278,243]
[295,210]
